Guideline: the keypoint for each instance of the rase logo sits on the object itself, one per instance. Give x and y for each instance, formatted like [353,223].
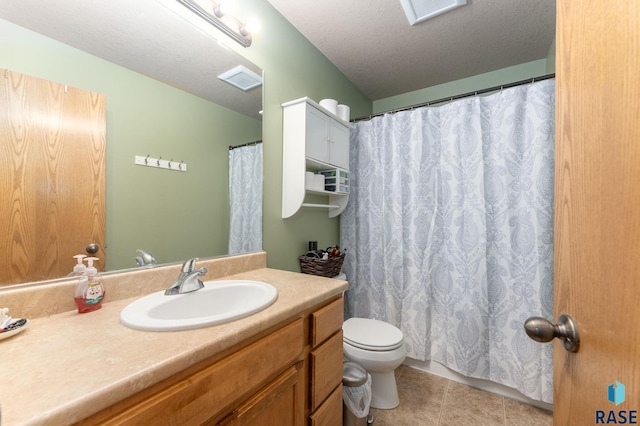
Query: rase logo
[616,395]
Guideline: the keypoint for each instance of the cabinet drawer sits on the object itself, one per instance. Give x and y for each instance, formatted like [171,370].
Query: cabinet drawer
[329,413]
[326,369]
[203,395]
[326,321]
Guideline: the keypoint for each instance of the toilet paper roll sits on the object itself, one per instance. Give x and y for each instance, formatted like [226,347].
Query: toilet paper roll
[309,180]
[343,112]
[330,105]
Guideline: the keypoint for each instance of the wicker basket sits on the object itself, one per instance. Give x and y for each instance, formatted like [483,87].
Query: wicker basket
[324,268]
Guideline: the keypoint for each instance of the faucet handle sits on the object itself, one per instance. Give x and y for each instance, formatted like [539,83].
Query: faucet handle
[189,265]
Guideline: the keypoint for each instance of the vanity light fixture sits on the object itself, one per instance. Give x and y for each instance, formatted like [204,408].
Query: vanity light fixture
[421,10]
[218,15]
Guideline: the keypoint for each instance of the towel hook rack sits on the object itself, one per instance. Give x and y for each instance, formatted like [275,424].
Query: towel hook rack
[149,161]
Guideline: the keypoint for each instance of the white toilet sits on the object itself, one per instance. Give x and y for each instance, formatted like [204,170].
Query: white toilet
[379,348]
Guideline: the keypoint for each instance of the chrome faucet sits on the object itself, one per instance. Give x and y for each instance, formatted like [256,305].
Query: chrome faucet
[145,259]
[188,280]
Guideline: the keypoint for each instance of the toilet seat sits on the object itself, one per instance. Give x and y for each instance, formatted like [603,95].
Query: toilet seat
[371,334]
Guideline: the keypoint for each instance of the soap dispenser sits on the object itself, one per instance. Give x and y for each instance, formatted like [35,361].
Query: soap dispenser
[79,268]
[89,293]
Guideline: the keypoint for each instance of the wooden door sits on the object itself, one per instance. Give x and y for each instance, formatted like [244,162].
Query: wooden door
[597,209]
[52,177]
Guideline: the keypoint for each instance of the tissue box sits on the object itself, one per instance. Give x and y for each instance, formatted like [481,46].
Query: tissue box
[314,182]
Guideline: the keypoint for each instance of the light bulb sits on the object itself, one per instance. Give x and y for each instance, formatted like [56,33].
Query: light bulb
[226,7]
[251,27]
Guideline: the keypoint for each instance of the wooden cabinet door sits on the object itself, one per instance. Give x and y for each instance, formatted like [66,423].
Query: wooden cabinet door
[209,394]
[275,405]
[52,177]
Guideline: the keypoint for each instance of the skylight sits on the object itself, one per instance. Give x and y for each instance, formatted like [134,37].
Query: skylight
[421,10]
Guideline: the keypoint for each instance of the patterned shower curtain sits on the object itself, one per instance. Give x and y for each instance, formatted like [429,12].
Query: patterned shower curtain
[245,199]
[449,232]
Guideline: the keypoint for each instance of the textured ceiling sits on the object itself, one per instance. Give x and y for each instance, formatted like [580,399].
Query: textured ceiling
[372,43]
[151,37]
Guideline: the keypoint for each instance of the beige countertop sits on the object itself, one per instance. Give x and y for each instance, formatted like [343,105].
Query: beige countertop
[64,367]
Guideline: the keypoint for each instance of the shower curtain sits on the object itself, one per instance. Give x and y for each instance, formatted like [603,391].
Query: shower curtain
[245,199]
[449,232]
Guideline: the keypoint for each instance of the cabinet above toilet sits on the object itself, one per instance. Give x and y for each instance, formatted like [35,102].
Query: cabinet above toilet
[313,140]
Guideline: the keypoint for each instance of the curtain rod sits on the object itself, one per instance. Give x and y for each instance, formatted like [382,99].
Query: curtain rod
[245,144]
[456,97]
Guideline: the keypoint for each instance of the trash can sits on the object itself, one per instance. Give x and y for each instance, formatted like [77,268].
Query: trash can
[356,394]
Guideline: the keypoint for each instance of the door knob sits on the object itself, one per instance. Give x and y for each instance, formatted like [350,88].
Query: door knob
[92,248]
[542,330]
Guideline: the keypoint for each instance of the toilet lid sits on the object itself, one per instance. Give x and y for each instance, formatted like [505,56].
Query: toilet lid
[372,335]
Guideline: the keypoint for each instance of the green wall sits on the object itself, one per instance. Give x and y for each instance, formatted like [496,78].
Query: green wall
[551,58]
[174,215]
[478,82]
[293,69]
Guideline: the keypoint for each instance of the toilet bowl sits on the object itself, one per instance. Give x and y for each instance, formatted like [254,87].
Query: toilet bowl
[379,348]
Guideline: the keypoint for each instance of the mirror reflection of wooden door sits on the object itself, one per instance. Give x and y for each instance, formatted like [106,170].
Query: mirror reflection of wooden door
[52,177]
[597,217]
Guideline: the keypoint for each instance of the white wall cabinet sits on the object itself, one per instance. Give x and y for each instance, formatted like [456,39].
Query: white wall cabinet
[313,139]
[327,140]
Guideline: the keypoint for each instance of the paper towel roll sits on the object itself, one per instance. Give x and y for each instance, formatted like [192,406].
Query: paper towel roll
[343,112]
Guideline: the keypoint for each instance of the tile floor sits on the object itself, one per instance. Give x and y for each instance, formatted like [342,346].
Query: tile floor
[429,400]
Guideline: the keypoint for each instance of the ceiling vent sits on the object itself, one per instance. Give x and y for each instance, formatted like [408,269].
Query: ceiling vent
[242,78]
[421,10]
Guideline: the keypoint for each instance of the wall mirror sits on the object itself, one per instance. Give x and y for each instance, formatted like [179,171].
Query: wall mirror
[157,68]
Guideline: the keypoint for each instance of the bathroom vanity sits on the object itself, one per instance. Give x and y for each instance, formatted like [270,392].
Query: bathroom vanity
[280,366]
[263,382]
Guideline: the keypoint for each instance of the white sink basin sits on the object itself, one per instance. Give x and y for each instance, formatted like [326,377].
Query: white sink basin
[217,303]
